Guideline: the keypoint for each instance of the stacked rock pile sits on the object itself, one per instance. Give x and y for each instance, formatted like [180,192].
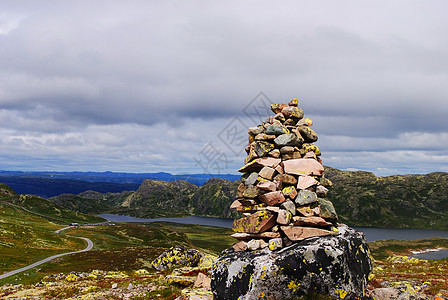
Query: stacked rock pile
[283,190]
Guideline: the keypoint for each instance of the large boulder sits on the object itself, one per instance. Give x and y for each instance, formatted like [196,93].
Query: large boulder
[336,265]
[175,257]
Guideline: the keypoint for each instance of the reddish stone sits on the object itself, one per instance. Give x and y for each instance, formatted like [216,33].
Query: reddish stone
[240,246]
[258,163]
[279,169]
[272,198]
[256,223]
[267,186]
[264,137]
[267,173]
[274,153]
[290,192]
[236,205]
[284,217]
[296,233]
[310,155]
[305,182]
[310,221]
[247,236]
[276,108]
[275,209]
[241,188]
[286,179]
[307,211]
[303,166]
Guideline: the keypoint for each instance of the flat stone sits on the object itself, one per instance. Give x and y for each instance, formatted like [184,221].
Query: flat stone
[310,155]
[305,197]
[309,135]
[274,153]
[327,210]
[236,205]
[247,236]
[308,211]
[303,166]
[264,137]
[240,246]
[202,281]
[274,209]
[259,221]
[276,129]
[293,155]
[272,198]
[287,149]
[262,148]
[286,179]
[297,233]
[256,130]
[267,172]
[258,163]
[280,117]
[310,221]
[289,206]
[253,244]
[287,139]
[305,182]
[267,186]
[276,108]
[284,217]
[292,112]
[279,169]
[321,191]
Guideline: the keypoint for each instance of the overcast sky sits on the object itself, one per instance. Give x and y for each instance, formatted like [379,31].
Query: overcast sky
[148,86]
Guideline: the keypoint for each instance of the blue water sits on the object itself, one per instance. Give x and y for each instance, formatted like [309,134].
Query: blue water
[372,233]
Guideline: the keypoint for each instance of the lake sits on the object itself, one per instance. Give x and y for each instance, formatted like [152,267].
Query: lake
[372,233]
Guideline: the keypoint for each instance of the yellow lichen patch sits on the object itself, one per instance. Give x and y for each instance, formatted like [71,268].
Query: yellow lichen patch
[341,293]
[294,285]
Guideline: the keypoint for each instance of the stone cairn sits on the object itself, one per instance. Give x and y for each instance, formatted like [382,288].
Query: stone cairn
[283,190]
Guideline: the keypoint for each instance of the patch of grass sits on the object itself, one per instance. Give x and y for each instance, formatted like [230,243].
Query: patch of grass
[383,249]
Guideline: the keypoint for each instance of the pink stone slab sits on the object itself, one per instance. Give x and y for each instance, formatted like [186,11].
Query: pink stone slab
[302,166]
[305,182]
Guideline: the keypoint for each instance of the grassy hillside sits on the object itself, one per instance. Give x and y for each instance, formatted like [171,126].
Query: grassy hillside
[361,198]
[26,238]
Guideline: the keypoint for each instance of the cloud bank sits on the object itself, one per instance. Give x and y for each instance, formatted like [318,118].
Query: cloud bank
[144,86]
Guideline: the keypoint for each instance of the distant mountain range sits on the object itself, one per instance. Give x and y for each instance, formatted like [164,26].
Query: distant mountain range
[50,184]
[360,198]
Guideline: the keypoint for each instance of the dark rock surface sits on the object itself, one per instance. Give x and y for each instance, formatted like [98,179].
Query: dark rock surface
[335,265]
